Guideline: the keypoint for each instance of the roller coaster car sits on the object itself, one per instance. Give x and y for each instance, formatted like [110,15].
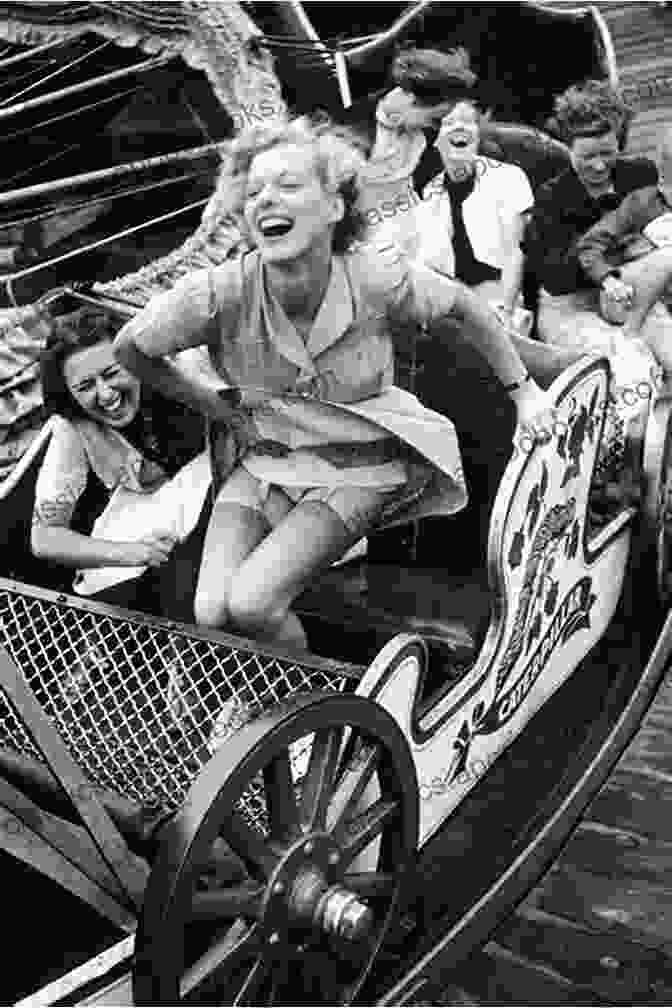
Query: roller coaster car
[316,831]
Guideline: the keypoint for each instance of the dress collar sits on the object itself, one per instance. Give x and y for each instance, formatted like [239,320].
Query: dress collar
[334,316]
[115,461]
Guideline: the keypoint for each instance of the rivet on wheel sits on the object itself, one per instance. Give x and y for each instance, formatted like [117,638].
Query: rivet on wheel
[278,888]
[308,847]
[334,857]
[274,938]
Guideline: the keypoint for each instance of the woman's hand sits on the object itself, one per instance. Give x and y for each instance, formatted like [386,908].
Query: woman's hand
[151,550]
[399,110]
[615,300]
[503,313]
[536,416]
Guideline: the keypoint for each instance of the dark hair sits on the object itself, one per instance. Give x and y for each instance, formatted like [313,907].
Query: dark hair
[433,76]
[69,333]
[338,160]
[590,109]
[164,431]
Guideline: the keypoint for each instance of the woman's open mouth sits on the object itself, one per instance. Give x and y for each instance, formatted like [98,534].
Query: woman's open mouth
[115,408]
[275,226]
[459,141]
[597,178]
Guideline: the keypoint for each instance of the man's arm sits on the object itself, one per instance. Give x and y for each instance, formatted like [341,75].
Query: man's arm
[595,245]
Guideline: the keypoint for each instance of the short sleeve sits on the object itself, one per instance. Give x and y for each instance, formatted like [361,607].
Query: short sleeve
[519,195]
[404,289]
[62,478]
[198,310]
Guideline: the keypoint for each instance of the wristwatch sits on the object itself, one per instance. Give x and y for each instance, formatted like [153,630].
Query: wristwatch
[514,386]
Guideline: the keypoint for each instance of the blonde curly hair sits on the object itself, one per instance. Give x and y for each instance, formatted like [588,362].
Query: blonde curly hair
[338,163]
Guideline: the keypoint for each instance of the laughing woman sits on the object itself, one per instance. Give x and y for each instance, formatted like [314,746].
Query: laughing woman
[126,457]
[326,447]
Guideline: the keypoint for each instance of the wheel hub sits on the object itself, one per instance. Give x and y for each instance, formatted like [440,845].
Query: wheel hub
[306,898]
[344,915]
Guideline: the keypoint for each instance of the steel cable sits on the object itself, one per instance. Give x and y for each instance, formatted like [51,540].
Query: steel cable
[56,73]
[108,197]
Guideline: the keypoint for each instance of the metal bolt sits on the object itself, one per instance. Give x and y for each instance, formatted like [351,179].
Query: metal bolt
[308,847]
[274,938]
[300,949]
[334,857]
[344,915]
[609,962]
[278,888]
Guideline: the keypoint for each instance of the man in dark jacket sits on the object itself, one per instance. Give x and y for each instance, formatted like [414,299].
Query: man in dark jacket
[565,209]
[628,254]
[590,118]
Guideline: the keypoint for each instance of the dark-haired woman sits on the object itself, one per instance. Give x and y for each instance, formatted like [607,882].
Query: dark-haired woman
[428,83]
[124,456]
[300,331]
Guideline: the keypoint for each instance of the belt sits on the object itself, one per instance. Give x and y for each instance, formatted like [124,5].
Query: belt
[343,454]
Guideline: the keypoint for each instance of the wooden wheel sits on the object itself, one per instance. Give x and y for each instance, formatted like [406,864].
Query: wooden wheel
[664,535]
[317,802]
[658,503]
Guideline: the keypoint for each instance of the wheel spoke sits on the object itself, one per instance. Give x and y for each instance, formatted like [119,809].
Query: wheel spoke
[219,904]
[356,776]
[315,810]
[238,944]
[283,812]
[324,975]
[279,976]
[254,981]
[319,778]
[358,833]
[369,885]
[223,865]
[250,845]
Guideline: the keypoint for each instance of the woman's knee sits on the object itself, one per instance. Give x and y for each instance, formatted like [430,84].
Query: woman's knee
[253,610]
[211,598]
[234,601]
[210,609]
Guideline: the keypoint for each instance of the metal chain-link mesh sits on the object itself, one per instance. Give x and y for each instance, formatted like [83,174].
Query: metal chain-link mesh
[140,707]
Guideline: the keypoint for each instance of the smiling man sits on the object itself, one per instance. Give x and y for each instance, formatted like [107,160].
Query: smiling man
[590,118]
[628,256]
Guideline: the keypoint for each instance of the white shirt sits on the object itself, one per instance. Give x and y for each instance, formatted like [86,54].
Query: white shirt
[501,193]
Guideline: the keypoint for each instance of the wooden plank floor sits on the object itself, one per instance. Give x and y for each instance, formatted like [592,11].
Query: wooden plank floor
[598,928]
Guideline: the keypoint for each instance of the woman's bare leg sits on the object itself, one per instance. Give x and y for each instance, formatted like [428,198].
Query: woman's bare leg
[234,531]
[311,537]
[240,519]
